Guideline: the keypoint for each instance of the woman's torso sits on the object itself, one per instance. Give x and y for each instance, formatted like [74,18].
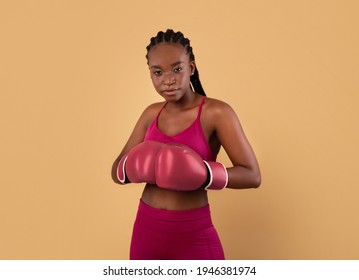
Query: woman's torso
[176,126]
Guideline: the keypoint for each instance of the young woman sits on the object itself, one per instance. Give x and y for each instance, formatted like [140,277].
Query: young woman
[173,149]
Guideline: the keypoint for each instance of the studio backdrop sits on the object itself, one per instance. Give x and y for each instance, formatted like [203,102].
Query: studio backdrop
[74,80]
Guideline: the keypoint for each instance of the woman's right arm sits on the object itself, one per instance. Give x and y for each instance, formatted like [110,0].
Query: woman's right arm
[137,136]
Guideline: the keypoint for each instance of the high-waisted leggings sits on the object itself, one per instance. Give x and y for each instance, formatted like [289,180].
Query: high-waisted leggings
[174,235]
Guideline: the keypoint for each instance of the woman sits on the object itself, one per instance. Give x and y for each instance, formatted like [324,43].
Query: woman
[173,148]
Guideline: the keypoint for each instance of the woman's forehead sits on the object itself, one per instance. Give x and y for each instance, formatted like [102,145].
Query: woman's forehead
[167,53]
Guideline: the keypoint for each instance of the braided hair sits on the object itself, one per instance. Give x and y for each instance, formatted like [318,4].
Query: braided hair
[178,38]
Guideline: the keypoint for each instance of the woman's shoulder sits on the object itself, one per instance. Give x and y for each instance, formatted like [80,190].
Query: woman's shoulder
[153,108]
[218,112]
[151,111]
[216,107]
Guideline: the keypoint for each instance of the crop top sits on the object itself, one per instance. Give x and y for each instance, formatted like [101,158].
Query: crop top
[192,136]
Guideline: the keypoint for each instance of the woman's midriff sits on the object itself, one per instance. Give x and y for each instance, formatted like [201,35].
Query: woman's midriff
[174,200]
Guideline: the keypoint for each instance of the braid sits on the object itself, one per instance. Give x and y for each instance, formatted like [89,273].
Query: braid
[178,38]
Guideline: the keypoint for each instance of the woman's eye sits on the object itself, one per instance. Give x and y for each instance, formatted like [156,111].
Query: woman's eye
[157,73]
[178,69]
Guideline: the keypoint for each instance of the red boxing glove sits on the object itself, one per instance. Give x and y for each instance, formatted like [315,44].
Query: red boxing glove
[217,176]
[121,173]
[170,166]
[138,166]
[180,168]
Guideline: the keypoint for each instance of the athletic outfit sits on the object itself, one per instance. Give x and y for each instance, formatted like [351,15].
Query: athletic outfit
[177,234]
[192,136]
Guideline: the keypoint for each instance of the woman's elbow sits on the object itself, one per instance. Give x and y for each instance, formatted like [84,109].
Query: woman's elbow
[251,178]
[257,181]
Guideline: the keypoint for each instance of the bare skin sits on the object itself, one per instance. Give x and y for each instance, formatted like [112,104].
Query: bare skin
[170,71]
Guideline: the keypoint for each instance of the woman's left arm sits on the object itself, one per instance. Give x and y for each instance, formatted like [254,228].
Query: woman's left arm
[245,172]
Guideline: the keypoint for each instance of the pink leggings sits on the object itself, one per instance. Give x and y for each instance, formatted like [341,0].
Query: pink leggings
[174,235]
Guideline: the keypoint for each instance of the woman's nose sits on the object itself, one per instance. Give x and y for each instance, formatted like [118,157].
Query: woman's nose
[169,80]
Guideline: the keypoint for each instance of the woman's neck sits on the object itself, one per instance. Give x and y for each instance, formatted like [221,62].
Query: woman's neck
[189,100]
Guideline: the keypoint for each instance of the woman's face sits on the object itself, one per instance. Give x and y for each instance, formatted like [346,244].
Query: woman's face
[170,70]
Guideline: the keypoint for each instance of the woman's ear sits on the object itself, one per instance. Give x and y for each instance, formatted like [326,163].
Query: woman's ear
[192,65]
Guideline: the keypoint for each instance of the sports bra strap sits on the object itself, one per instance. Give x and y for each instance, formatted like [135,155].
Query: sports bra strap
[199,109]
[200,106]
[158,114]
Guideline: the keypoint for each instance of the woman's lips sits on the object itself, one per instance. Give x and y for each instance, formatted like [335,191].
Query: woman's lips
[170,91]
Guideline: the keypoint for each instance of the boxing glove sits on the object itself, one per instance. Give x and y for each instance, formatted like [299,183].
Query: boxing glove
[217,178]
[138,166]
[121,172]
[180,168]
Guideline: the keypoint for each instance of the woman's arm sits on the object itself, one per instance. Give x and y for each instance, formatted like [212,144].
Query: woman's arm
[137,136]
[245,172]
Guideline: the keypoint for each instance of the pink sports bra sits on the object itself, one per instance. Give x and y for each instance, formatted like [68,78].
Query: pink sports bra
[192,136]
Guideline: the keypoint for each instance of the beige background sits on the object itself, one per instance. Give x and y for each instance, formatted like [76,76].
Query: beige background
[74,81]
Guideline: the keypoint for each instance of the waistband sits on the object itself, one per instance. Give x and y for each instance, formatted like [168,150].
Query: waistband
[173,221]
[174,215]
